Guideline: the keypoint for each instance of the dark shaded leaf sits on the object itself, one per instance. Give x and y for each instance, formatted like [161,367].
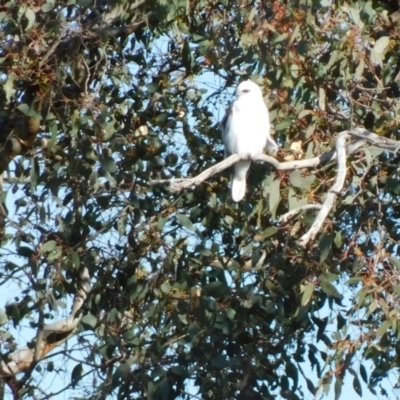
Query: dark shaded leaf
[363,373]
[357,386]
[216,289]
[76,374]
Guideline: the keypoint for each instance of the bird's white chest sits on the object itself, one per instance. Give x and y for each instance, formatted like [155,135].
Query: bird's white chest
[249,129]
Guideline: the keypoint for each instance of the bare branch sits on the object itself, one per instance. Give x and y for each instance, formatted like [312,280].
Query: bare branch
[333,192]
[363,135]
[178,184]
[53,334]
[183,183]
[374,139]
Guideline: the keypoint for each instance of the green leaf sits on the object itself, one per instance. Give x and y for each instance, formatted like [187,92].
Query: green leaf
[307,294]
[165,287]
[381,44]
[338,388]
[378,51]
[270,231]
[332,60]
[76,374]
[281,37]
[325,245]
[383,328]
[231,313]
[363,373]
[49,246]
[187,59]
[274,196]
[357,385]
[109,165]
[216,289]
[42,215]
[29,111]
[185,221]
[219,361]
[355,15]
[341,321]
[395,262]
[293,373]
[3,317]
[283,125]
[354,280]
[162,118]
[120,375]
[295,33]
[284,383]
[360,69]
[31,17]
[46,7]
[328,276]
[89,322]
[75,260]
[304,113]
[331,290]
[338,240]
[9,87]
[310,386]
[121,224]
[298,180]
[25,251]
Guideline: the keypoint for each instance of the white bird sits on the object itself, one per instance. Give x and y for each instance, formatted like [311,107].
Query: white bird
[246,131]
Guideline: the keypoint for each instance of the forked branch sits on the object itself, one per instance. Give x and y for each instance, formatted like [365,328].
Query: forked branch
[52,335]
[341,152]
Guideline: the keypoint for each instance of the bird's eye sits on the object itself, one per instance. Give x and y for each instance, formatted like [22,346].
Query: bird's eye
[246,90]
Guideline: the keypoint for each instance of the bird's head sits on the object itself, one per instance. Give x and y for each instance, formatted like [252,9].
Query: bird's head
[248,88]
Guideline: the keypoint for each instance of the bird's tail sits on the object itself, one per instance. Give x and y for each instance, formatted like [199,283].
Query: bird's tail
[239,175]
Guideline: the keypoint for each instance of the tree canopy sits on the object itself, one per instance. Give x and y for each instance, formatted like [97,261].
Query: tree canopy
[173,292]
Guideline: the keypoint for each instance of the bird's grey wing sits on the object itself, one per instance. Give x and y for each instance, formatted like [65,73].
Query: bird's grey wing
[225,127]
[270,144]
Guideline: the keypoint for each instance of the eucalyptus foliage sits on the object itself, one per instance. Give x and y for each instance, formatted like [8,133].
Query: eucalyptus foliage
[194,297]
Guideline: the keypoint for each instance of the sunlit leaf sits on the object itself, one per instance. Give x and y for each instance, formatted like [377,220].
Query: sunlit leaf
[48,6]
[307,294]
[185,221]
[383,328]
[49,246]
[274,196]
[31,17]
